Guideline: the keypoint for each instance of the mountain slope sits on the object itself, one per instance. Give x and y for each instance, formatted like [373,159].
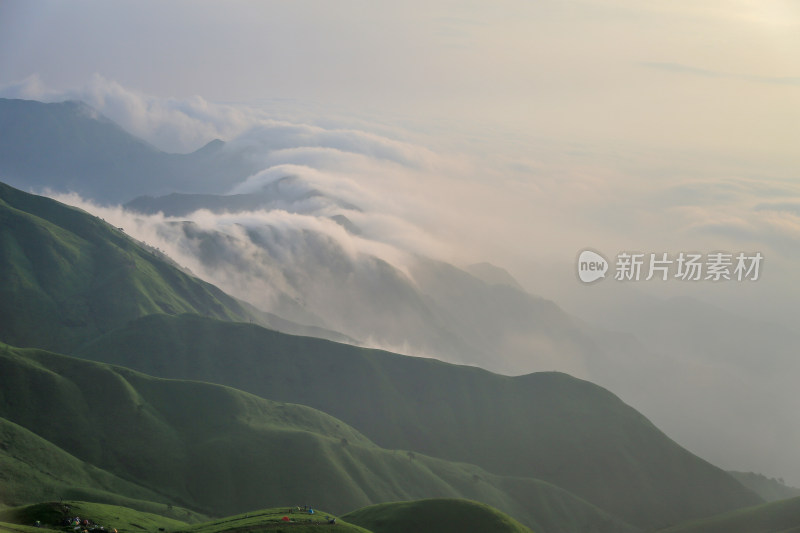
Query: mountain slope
[223,451]
[289,193]
[299,521]
[776,517]
[493,275]
[297,272]
[69,146]
[507,329]
[769,489]
[51,515]
[66,277]
[547,425]
[33,469]
[424,307]
[434,516]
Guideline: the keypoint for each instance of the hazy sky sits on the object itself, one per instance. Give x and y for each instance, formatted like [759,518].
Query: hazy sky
[512,131]
[644,120]
[717,74]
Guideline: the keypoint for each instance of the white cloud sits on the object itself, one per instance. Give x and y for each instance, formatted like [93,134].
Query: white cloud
[519,204]
[173,125]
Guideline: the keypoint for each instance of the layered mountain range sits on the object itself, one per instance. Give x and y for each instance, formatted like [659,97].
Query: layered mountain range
[126,379]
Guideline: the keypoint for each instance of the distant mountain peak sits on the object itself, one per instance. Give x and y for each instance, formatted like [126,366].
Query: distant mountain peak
[493,275]
[211,147]
[72,147]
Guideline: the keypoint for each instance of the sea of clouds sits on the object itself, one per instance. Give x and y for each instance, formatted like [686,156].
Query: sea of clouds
[527,205]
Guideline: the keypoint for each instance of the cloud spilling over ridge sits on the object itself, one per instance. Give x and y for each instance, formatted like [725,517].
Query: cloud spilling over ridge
[174,125]
[261,245]
[509,200]
[311,264]
[183,125]
[525,206]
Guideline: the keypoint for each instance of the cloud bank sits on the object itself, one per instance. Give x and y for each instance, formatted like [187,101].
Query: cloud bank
[525,205]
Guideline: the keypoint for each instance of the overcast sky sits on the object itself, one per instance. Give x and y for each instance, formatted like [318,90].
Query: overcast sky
[527,130]
[717,74]
[699,96]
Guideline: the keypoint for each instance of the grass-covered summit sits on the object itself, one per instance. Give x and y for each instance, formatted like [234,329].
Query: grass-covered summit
[63,515]
[435,516]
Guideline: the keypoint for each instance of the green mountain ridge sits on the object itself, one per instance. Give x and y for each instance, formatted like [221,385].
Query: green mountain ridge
[420,516]
[442,515]
[434,516]
[221,451]
[67,276]
[553,451]
[298,521]
[550,426]
[51,516]
[33,469]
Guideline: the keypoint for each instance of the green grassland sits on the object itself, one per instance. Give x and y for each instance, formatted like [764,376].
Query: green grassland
[434,516]
[548,426]
[33,469]
[300,521]
[7,527]
[66,277]
[421,516]
[219,451]
[51,515]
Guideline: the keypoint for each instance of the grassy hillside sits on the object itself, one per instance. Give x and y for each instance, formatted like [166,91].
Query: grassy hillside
[548,425]
[775,517]
[222,451]
[52,515]
[6,527]
[66,277]
[435,516]
[33,469]
[299,521]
